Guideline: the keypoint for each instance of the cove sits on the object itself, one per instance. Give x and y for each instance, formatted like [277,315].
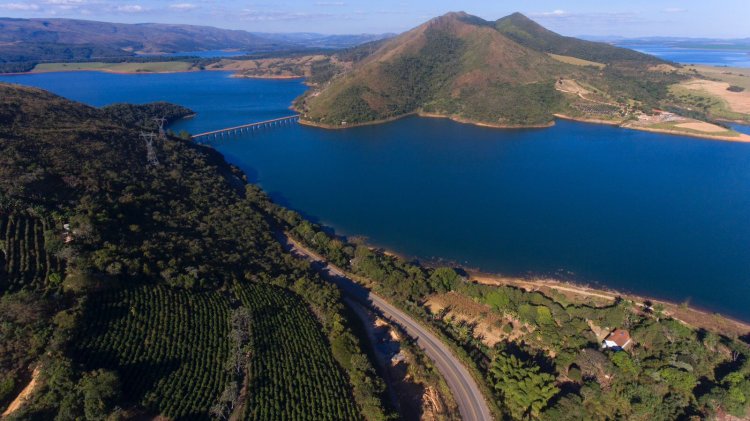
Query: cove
[663,216]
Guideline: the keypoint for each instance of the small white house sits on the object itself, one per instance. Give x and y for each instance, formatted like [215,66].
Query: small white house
[618,339]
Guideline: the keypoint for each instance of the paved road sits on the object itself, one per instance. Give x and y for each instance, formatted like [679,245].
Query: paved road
[469,398]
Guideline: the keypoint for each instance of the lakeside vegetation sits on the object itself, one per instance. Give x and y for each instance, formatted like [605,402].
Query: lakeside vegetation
[548,362]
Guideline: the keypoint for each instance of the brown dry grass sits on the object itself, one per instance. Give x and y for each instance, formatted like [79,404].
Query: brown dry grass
[576,61]
[701,126]
[487,323]
[291,67]
[738,101]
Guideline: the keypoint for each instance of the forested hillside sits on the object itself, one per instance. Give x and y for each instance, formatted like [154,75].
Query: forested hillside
[140,286]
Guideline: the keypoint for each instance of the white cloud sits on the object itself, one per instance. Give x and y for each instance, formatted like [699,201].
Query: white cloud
[183,7]
[130,8]
[260,16]
[65,2]
[674,10]
[19,6]
[553,13]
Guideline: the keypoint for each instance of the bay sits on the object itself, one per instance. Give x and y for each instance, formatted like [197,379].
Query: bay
[664,216]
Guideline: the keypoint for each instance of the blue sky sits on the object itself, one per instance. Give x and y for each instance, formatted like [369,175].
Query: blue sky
[697,18]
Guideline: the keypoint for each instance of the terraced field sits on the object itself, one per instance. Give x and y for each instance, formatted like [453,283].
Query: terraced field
[293,373]
[24,258]
[171,347]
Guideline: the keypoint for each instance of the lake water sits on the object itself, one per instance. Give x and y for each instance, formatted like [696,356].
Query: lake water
[665,216]
[710,57]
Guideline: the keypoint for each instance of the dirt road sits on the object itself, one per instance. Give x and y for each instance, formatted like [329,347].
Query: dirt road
[465,390]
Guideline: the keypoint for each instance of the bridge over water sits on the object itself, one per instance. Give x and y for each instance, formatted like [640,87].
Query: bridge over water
[245,128]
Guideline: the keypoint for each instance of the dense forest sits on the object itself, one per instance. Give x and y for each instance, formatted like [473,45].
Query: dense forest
[140,286]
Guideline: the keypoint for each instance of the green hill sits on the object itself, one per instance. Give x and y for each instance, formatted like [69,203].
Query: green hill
[528,33]
[135,285]
[500,73]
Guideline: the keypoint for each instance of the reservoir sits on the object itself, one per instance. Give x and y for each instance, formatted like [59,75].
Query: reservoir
[664,216]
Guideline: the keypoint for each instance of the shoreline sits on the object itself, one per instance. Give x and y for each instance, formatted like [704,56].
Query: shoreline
[692,316]
[423,114]
[589,120]
[115,72]
[742,138]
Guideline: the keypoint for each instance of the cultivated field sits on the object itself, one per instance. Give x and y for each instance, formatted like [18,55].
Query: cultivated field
[577,61]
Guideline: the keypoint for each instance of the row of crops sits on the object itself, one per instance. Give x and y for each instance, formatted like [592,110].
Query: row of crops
[293,373]
[171,347]
[24,260]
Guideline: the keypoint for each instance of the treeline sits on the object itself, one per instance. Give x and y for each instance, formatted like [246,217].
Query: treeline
[144,114]
[23,56]
[21,64]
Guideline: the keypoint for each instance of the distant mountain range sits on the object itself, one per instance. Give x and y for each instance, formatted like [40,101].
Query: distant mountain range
[315,40]
[28,40]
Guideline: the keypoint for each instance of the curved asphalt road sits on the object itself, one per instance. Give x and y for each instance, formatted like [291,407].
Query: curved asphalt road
[469,398]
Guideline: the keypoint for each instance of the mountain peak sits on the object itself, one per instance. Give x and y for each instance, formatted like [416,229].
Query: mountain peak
[463,17]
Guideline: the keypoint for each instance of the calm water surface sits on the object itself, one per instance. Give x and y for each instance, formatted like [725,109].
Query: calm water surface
[709,57]
[660,215]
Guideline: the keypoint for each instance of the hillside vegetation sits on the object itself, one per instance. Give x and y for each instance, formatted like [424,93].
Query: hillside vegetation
[136,286]
[500,73]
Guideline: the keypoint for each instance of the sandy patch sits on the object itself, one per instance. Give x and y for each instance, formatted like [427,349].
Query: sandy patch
[702,126]
[738,101]
[24,395]
[662,68]
[487,323]
[570,86]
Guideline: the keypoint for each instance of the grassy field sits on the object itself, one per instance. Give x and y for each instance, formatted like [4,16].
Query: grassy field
[576,61]
[732,75]
[154,67]
[676,127]
[714,105]
[711,96]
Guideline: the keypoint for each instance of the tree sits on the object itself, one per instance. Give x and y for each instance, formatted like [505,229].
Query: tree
[100,390]
[443,279]
[524,390]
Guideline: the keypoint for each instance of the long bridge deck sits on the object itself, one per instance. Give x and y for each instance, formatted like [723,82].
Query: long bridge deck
[245,128]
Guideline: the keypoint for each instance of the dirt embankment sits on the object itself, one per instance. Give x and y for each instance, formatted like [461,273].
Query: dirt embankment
[24,395]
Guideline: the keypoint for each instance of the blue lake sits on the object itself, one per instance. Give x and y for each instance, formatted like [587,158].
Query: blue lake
[665,216]
[710,57]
